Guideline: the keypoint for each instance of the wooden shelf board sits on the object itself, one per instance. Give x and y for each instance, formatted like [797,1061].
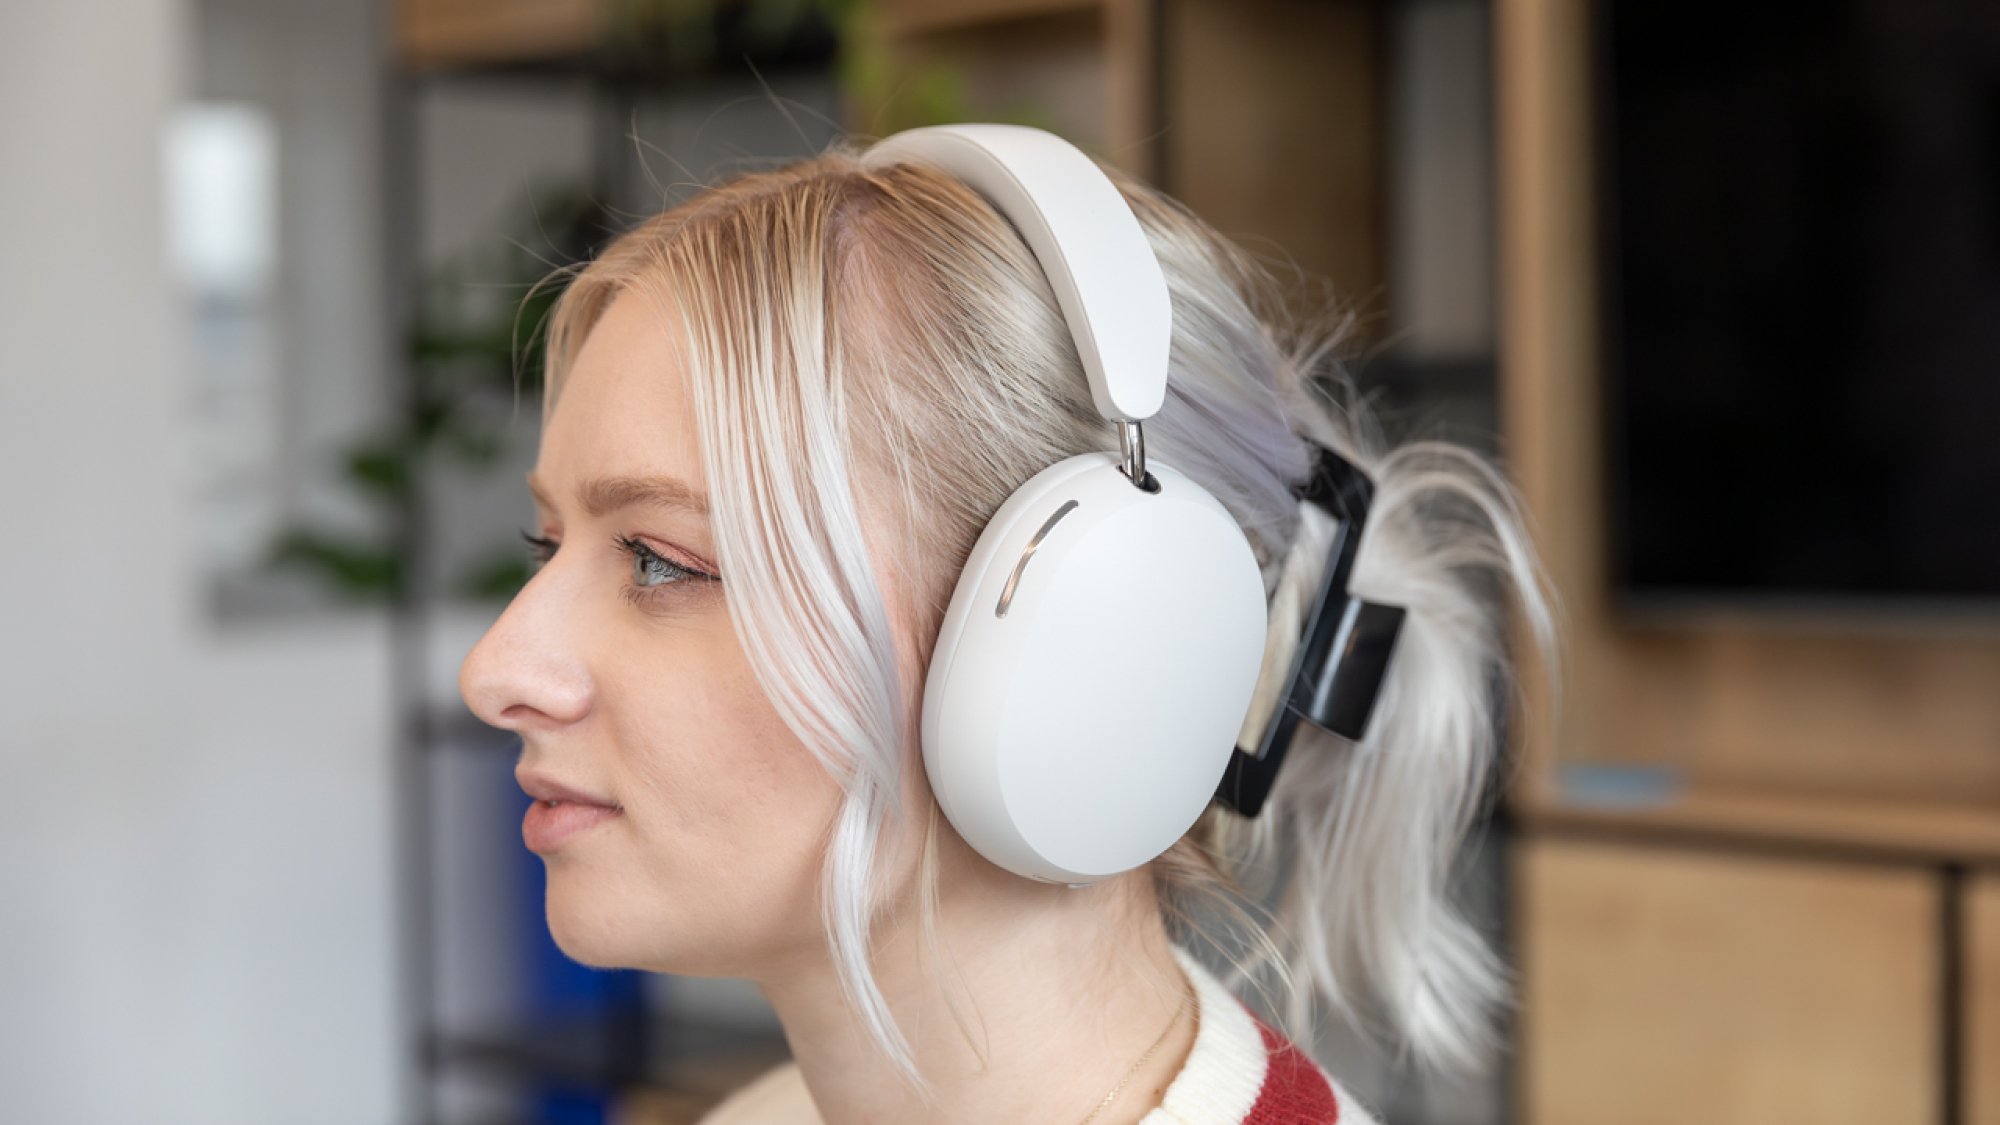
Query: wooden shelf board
[1864,827]
[913,18]
[443,33]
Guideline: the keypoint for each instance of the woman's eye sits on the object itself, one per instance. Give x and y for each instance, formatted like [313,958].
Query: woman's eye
[650,570]
[654,576]
[542,548]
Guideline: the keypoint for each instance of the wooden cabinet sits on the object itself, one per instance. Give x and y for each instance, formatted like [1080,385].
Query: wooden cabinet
[1672,968]
[1981,989]
[1666,985]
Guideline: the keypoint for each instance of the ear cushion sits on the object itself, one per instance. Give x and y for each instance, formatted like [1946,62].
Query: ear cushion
[1082,731]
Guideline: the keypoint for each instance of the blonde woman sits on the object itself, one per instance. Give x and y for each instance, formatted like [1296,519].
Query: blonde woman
[776,420]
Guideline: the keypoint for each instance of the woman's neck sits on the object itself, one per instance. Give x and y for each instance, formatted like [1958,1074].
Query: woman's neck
[1065,989]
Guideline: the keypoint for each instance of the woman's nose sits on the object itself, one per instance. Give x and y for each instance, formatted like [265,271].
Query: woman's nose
[526,673]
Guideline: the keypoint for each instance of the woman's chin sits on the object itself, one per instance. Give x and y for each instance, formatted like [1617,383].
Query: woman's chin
[589,928]
[599,930]
[609,923]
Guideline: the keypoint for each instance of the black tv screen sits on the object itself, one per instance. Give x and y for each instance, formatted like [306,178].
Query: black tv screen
[1799,223]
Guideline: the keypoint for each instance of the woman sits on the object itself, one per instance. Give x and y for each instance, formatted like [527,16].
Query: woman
[777,419]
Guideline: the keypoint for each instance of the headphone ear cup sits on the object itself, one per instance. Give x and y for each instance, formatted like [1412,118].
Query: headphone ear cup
[1093,671]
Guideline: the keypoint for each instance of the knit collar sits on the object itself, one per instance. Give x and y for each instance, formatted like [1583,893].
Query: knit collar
[1240,1070]
[1225,1067]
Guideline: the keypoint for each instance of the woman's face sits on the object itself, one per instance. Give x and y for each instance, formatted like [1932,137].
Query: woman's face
[626,682]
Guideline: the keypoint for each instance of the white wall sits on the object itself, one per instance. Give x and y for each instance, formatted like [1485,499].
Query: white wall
[194,872]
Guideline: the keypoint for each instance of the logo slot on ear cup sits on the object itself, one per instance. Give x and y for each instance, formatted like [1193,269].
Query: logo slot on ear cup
[1014,579]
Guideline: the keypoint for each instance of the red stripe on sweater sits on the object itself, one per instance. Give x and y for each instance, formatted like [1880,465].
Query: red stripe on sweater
[1295,1090]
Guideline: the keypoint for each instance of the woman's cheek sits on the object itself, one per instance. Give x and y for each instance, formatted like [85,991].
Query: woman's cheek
[710,744]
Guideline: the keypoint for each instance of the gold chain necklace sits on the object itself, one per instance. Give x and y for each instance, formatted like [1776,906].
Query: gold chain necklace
[1186,999]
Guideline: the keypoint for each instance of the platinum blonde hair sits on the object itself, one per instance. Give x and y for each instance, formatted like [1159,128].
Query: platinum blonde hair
[859,332]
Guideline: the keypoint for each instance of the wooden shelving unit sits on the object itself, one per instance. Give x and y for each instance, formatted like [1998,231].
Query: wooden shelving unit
[1264,116]
[1834,709]
[1823,760]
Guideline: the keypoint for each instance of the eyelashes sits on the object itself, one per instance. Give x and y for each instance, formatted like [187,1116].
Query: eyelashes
[653,574]
[648,563]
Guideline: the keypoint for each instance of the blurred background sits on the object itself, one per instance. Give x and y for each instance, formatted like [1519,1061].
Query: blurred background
[1717,285]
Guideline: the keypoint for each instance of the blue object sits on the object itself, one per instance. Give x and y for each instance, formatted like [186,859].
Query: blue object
[1620,785]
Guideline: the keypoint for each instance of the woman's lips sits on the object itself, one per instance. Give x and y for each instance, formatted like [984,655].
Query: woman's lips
[550,824]
[560,811]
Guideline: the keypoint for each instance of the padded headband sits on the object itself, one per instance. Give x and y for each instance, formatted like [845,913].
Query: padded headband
[1087,240]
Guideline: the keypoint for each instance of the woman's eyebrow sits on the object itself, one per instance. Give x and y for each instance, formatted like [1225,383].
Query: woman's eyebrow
[600,496]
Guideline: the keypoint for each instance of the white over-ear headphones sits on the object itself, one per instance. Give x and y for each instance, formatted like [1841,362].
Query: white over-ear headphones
[1104,640]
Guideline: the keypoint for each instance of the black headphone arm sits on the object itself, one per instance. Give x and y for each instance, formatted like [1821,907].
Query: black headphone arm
[1343,656]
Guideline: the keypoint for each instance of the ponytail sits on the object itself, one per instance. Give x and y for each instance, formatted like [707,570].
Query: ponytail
[1369,831]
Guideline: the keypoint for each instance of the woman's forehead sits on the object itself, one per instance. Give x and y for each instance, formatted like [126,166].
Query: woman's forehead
[623,410]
